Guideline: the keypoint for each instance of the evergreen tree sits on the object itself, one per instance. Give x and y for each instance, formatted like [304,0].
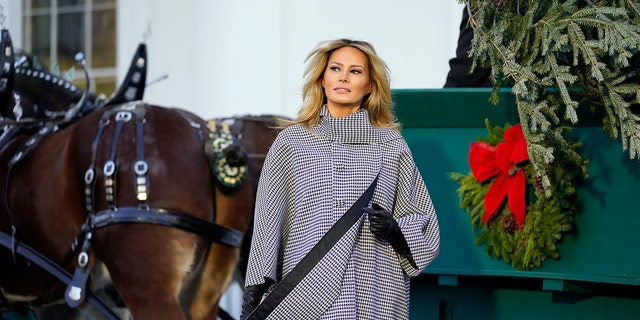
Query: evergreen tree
[559,56]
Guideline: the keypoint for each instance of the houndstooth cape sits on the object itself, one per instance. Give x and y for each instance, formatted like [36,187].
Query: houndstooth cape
[309,180]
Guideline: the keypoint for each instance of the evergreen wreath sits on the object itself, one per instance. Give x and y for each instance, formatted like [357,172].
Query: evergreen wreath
[524,244]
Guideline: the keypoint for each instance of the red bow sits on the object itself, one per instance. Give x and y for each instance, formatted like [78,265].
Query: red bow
[487,161]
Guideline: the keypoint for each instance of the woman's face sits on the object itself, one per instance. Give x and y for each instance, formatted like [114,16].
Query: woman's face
[346,81]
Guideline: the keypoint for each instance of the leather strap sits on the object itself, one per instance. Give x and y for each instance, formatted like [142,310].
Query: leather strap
[165,217]
[282,289]
[57,271]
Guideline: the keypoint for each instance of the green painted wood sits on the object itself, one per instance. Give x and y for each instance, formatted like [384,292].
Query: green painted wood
[439,125]
[465,108]
[430,302]
[447,280]
[441,108]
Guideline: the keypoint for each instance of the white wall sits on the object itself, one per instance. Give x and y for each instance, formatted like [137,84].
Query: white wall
[226,58]
[11,18]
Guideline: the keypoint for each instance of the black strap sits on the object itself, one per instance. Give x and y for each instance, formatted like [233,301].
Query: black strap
[166,217]
[54,269]
[282,289]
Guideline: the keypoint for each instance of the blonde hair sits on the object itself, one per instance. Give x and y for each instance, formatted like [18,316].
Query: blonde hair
[378,103]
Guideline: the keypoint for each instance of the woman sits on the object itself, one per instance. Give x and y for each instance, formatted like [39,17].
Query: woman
[344,136]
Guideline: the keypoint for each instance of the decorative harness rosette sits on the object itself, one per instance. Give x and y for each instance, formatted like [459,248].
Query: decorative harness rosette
[230,159]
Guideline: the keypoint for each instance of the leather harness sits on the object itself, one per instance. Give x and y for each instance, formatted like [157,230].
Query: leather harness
[76,291]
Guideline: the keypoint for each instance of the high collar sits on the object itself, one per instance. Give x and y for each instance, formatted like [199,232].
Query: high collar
[352,129]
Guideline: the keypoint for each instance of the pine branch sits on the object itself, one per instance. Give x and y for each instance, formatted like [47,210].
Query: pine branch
[556,54]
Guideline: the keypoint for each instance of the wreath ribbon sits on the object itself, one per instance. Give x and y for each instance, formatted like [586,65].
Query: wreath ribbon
[502,162]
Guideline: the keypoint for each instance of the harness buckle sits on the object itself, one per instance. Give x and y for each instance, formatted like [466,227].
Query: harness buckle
[123,116]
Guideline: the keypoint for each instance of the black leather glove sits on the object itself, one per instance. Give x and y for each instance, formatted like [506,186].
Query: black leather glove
[252,297]
[385,228]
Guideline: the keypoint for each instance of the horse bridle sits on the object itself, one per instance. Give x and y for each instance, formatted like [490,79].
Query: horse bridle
[143,213]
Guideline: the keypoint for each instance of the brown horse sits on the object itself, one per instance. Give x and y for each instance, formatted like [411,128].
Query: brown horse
[88,184]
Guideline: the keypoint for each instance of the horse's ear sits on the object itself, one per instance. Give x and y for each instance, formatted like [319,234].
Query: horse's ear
[132,88]
[6,74]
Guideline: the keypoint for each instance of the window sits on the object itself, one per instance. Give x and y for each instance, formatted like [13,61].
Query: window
[56,30]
